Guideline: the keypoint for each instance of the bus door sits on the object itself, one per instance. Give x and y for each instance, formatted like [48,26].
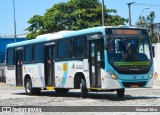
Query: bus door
[50,55]
[95,53]
[19,62]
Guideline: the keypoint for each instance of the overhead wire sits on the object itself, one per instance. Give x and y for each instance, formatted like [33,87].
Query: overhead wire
[145,4]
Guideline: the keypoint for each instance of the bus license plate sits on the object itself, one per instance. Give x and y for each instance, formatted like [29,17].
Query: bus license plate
[134,86]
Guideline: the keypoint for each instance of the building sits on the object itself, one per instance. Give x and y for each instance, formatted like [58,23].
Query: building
[3,43]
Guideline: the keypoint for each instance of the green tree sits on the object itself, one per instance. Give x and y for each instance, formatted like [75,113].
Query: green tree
[37,26]
[73,15]
[146,22]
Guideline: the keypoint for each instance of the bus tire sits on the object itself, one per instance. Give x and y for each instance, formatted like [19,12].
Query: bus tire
[84,90]
[120,93]
[29,89]
[60,90]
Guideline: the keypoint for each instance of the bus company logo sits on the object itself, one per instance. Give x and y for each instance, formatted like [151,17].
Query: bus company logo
[6,109]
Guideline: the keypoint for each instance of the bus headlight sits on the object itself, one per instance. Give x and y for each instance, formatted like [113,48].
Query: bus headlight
[113,76]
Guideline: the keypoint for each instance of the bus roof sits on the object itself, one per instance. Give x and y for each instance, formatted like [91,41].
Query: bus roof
[64,34]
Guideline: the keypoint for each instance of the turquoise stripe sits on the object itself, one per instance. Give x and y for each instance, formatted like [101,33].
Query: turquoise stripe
[63,82]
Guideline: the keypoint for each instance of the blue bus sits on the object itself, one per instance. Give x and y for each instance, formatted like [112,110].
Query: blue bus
[105,58]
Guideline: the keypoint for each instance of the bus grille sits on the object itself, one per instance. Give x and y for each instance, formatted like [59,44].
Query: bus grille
[129,84]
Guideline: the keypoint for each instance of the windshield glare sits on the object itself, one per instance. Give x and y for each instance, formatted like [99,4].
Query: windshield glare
[129,52]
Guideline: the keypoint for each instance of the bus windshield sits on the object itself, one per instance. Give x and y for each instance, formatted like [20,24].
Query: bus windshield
[130,54]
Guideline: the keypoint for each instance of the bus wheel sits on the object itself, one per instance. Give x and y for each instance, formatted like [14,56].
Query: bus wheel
[84,90]
[29,89]
[59,90]
[120,93]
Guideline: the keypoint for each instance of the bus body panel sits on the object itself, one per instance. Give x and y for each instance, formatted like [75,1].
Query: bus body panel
[36,72]
[134,77]
[130,78]
[10,75]
[65,72]
[107,82]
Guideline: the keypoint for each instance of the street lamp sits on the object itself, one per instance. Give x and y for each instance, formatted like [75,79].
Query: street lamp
[15,36]
[141,13]
[129,7]
[103,12]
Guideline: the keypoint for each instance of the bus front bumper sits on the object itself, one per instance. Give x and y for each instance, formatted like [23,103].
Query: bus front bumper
[137,83]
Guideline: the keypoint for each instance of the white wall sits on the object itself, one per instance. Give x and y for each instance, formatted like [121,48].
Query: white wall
[156,59]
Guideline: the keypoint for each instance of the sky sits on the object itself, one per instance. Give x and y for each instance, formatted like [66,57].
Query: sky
[25,9]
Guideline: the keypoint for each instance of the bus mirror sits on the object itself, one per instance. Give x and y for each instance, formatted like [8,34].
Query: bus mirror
[153,51]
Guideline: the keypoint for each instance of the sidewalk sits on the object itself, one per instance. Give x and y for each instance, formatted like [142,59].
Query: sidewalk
[156,79]
[156,83]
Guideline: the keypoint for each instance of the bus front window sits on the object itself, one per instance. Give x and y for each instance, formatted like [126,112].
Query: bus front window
[129,54]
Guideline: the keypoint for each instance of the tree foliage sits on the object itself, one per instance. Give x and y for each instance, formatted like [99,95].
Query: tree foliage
[146,22]
[73,15]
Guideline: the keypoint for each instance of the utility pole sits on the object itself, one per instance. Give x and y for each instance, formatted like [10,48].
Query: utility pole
[102,12]
[129,7]
[15,36]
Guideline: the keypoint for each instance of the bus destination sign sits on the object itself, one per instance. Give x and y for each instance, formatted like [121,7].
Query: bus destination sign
[126,32]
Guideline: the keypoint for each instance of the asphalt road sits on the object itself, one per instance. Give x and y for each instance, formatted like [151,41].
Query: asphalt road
[15,96]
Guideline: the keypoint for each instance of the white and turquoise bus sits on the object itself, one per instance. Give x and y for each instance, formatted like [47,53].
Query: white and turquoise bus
[104,58]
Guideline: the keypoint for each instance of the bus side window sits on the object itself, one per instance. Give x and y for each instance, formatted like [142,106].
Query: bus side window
[38,53]
[60,49]
[28,54]
[10,56]
[65,49]
[80,46]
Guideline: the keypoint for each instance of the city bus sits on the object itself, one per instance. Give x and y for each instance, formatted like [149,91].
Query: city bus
[105,58]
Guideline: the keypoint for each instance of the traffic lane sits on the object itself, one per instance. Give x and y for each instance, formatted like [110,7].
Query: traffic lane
[139,96]
[73,98]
